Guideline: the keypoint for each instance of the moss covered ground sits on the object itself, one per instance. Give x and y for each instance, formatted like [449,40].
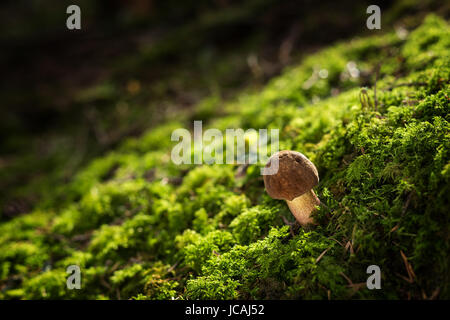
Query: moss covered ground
[141,227]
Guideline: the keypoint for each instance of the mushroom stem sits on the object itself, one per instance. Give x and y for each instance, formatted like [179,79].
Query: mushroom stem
[302,206]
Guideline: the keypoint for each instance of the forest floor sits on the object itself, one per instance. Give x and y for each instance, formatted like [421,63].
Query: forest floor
[96,187]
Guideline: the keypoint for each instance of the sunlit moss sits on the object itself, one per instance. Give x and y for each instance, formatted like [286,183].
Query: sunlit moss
[142,228]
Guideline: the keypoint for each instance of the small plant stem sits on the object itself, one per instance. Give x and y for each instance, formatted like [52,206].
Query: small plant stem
[302,206]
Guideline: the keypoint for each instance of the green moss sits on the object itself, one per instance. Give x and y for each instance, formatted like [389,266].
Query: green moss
[143,228]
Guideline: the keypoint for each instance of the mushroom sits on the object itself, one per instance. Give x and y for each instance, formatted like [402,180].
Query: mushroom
[293,182]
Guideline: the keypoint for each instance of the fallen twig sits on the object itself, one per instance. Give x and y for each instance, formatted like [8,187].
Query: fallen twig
[322,254]
[409,269]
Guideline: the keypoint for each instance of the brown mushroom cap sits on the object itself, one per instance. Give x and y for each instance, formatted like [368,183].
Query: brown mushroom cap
[296,175]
